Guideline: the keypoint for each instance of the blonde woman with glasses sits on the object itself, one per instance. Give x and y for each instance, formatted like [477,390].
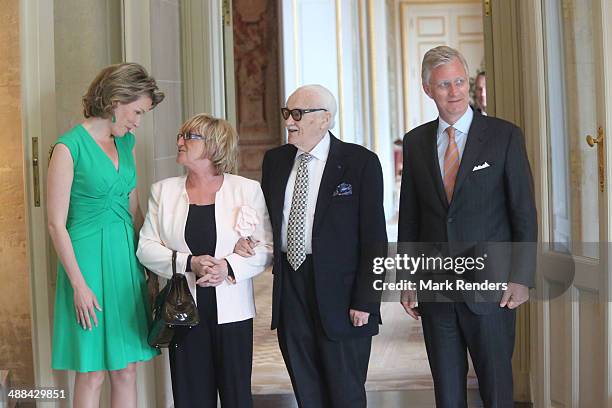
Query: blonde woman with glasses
[201,216]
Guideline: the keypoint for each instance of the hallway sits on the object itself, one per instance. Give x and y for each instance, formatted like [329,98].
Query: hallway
[398,361]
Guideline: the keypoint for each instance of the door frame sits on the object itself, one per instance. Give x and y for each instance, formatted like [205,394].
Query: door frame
[39,120]
[404,83]
[535,114]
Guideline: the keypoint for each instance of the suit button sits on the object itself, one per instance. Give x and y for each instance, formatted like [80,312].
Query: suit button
[450,220]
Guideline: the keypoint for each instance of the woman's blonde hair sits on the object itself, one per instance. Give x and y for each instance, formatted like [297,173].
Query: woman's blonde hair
[220,141]
[120,83]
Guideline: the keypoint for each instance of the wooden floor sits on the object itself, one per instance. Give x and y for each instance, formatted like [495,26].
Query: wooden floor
[398,361]
[377,399]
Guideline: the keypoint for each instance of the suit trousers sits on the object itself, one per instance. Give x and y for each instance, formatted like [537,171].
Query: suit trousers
[453,330]
[324,373]
[212,357]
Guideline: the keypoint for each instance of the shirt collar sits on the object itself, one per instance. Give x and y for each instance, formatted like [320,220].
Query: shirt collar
[462,125]
[321,150]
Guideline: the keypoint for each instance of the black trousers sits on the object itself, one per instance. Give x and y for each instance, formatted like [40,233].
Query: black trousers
[450,334]
[212,357]
[324,373]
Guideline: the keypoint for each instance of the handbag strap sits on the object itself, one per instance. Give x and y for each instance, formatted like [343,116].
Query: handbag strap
[173,263]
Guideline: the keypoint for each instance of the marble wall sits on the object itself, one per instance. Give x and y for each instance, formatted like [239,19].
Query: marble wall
[15,311]
[257,81]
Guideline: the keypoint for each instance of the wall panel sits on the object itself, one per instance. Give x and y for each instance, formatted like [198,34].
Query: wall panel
[15,301]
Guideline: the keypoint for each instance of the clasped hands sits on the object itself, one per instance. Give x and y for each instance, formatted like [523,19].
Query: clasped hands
[209,270]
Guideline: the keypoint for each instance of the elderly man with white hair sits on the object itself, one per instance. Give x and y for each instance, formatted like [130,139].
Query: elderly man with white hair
[325,200]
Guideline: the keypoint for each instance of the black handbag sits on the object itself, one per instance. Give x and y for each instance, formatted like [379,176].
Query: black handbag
[174,306]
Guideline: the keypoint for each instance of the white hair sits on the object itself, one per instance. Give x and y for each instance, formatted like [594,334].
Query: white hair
[324,98]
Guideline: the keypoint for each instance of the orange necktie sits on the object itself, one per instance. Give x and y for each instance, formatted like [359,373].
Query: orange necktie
[451,163]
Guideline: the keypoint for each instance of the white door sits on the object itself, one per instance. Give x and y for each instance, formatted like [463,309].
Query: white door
[424,26]
[572,310]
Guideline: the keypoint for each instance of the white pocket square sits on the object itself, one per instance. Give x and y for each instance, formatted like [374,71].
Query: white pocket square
[481,166]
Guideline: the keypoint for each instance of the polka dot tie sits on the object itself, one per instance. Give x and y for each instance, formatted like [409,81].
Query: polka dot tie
[296,229]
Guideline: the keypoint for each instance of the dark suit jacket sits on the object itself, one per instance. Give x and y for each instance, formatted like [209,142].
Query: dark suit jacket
[495,204]
[348,232]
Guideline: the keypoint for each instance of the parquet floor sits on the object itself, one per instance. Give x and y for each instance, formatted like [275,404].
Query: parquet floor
[398,360]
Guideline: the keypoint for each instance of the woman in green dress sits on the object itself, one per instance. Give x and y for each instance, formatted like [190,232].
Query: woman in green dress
[101,311]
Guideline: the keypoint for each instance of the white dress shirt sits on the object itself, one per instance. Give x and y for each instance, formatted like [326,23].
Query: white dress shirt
[315,173]
[462,127]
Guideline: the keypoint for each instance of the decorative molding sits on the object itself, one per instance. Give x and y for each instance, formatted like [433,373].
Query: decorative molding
[460,47]
[437,2]
[605,16]
[363,61]
[405,71]
[504,63]
[371,16]
[602,18]
[38,118]
[404,25]
[461,21]
[231,105]
[420,21]
[428,46]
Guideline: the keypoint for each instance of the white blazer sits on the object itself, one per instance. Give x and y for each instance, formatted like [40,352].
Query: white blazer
[164,231]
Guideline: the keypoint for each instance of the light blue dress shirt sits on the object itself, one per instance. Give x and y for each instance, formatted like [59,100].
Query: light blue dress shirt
[462,127]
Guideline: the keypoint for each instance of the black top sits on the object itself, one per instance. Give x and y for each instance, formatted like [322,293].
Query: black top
[201,233]
[201,230]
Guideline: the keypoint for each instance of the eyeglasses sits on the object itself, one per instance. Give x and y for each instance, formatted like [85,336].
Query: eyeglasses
[189,136]
[297,114]
[445,85]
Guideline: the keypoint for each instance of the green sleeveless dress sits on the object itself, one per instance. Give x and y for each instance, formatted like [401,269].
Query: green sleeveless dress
[101,230]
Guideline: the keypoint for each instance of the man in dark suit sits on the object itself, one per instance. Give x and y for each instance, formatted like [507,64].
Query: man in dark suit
[480,93]
[325,200]
[467,187]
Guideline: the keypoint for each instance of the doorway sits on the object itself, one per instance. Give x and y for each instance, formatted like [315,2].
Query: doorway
[424,26]
[573,311]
